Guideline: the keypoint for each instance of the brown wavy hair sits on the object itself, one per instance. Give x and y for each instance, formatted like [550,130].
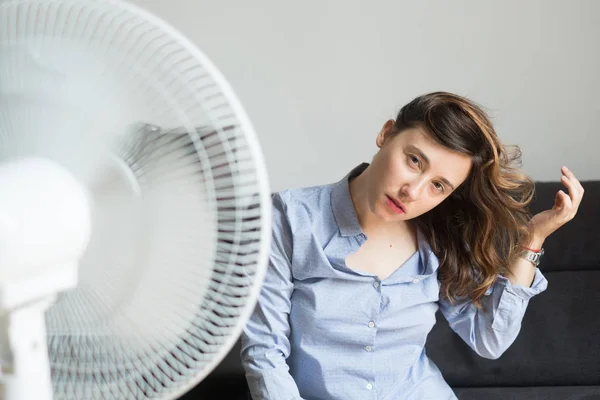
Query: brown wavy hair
[475,232]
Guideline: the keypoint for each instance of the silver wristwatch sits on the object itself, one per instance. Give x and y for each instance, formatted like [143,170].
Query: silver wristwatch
[533,256]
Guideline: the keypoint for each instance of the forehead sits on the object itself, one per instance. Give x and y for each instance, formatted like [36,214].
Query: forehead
[444,162]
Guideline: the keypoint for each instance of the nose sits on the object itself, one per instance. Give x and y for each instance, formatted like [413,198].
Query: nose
[414,189]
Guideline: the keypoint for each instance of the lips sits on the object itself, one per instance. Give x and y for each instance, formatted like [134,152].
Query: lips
[397,205]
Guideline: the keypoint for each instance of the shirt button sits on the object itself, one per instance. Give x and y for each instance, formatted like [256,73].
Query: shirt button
[416,280]
[368,348]
[375,284]
[369,386]
[371,324]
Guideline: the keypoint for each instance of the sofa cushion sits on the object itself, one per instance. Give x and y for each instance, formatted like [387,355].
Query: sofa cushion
[559,342]
[530,393]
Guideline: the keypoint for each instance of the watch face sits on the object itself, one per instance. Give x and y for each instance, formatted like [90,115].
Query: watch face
[534,257]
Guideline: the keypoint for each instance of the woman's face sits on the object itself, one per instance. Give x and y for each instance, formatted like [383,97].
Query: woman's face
[411,173]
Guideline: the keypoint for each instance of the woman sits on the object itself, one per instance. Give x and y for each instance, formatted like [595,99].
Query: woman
[359,268]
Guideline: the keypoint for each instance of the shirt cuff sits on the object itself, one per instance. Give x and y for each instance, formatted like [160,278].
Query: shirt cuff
[513,300]
[272,384]
[540,283]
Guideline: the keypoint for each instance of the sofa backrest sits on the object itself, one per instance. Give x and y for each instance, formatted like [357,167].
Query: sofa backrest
[559,342]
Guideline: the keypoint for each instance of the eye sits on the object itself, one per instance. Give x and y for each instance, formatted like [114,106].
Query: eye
[439,187]
[414,160]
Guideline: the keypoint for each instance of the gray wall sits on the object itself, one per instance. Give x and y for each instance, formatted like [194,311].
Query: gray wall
[319,77]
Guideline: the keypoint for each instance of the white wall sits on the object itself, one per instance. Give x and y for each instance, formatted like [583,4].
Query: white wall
[319,77]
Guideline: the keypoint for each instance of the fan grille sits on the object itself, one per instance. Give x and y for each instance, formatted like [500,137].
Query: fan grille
[181,200]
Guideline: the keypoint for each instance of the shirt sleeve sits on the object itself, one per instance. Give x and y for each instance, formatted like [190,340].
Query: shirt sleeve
[491,330]
[265,343]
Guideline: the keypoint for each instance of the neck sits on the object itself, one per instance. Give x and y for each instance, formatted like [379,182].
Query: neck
[369,222]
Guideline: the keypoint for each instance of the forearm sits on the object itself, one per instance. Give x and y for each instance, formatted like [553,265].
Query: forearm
[492,330]
[522,272]
[265,348]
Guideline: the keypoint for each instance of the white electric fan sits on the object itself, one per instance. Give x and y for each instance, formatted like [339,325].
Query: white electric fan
[134,205]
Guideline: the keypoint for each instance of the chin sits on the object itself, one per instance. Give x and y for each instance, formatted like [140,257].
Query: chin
[388,215]
[400,217]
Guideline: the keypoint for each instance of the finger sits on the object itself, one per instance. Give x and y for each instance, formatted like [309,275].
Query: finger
[574,188]
[558,201]
[566,205]
[565,170]
[569,174]
[570,185]
[574,178]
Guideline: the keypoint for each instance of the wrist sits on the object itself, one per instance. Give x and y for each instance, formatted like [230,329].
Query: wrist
[535,242]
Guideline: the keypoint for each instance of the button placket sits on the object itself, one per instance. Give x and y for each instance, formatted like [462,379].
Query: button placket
[371,327]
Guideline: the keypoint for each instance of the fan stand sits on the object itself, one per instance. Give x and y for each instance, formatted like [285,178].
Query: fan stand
[25,370]
[24,364]
[34,267]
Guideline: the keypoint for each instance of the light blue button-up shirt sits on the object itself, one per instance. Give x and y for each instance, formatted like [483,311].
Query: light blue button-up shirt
[321,330]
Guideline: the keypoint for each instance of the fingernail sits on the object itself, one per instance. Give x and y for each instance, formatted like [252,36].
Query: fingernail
[565,168]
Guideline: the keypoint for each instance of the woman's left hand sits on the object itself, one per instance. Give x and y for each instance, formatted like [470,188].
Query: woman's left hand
[564,209]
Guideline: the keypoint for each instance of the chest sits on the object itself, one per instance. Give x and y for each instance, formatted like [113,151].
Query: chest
[381,256]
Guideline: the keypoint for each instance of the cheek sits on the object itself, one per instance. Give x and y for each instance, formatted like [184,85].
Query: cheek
[395,172]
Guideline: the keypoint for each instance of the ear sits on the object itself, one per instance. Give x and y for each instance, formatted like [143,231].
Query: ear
[386,132]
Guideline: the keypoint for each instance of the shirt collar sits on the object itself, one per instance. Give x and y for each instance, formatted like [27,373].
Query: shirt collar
[429,262]
[343,208]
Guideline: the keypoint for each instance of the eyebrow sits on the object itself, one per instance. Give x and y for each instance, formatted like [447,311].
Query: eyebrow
[426,161]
